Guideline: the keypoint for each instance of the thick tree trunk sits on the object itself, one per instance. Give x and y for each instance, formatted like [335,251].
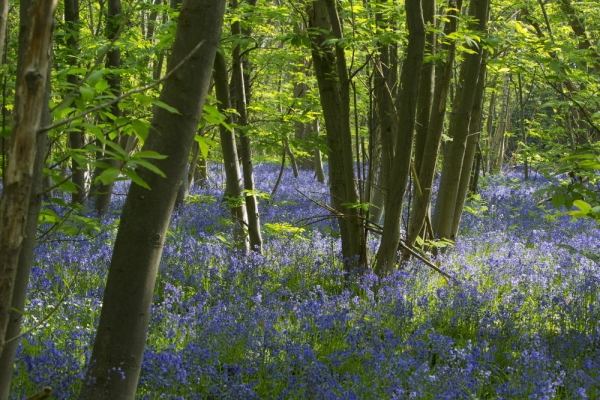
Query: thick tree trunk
[116,359]
[29,103]
[234,189]
[409,92]
[421,206]
[254,231]
[334,91]
[26,253]
[459,130]
[113,62]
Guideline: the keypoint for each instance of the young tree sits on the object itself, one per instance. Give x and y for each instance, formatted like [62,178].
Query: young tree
[400,169]
[458,129]
[334,88]
[116,359]
[234,190]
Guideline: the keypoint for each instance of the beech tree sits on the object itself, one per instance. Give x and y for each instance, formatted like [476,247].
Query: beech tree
[118,349]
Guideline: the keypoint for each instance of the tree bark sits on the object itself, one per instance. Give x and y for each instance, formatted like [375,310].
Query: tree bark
[245,147]
[409,92]
[116,359]
[76,136]
[234,188]
[426,86]
[29,103]
[26,254]
[435,128]
[113,62]
[334,90]
[318,161]
[3,24]
[471,145]
[459,130]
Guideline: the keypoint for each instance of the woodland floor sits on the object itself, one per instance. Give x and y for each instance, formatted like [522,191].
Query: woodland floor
[522,320]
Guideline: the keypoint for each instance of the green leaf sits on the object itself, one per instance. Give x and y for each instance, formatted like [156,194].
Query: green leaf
[109,175]
[131,174]
[167,107]
[149,154]
[95,77]
[141,129]
[102,85]
[151,167]
[558,199]
[87,94]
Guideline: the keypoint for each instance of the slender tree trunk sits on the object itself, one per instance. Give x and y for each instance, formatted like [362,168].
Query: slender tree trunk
[498,141]
[76,136]
[318,161]
[459,130]
[426,86]
[113,62]
[522,126]
[386,78]
[118,350]
[471,145]
[421,206]
[3,24]
[28,106]
[245,146]
[334,91]
[234,189]
[409,92]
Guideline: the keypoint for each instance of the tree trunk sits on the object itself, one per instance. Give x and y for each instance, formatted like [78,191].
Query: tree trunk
[522,126]
[113,62]
[426,86]
[334,90]
[318,161]
[435,128]
[26,253]
[459,130]
[498,140]
[3,24]
[116,359]
[245,146]
[471,145]
[409,92]
[28,106]
[234,189]
[76,136]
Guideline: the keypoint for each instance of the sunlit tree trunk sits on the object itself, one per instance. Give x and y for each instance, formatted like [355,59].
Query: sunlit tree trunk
[26,257]
[458,129]
[498,140]
[318,161]
[234,189]
[409,92]
[116,360]
[435,128]
[471,145]
[254,232]
[28,106]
